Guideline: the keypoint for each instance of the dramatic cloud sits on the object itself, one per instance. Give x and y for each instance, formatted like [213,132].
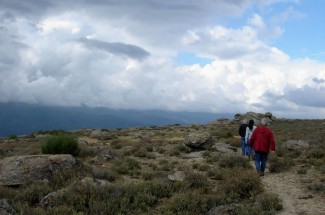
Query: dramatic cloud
[128,50]
[123,54]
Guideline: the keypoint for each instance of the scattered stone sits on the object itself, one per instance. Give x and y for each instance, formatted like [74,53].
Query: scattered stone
[198,140]
[177,176]
[96,133]
[194,155]
[95,182]
[225,149]
[296,145]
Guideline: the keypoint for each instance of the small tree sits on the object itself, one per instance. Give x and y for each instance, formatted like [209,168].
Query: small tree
[60,144]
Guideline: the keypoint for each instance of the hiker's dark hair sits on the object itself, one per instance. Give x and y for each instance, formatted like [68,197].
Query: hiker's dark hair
[251,124]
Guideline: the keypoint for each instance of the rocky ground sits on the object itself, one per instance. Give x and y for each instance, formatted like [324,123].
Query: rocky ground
[173,169]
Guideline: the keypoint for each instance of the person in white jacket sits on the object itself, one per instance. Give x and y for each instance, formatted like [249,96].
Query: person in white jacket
[249,131]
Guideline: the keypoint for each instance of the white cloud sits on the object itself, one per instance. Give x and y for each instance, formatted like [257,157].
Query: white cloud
[124,58]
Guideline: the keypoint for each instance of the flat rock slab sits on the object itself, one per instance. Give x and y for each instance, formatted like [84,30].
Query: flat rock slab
[15,170]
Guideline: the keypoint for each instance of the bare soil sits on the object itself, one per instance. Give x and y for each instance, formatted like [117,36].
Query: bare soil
[292,189]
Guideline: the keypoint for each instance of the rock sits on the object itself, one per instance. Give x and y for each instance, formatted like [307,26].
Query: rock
[268,115]
[52,199]
[95,182]
[194,155]
[198,140]
[15,170]
[296,145]
[6,208]
[225,149]
[177,176]
[96,133]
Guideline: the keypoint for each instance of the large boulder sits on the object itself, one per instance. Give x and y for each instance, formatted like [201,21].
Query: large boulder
[198,140]
[255,116]
[15,170]
[296,145]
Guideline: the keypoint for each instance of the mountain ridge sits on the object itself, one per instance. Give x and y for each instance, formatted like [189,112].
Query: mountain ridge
[23,118]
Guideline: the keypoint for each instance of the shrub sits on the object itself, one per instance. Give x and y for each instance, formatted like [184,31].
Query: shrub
[64,178]
[203,167]
[101,173]
[140,152]
[188,203]
[173,152]
[216,174]
[212,159]
[148,175]
[119,198]
[32,192]
[12,137]
[277,164]
[302,170]
[60,144]
[126,166]
[161,150]
[196,180]
[241,184]
[182,148]
[320,187]
[234,162]
[269,202]
[316,153]
[249,210]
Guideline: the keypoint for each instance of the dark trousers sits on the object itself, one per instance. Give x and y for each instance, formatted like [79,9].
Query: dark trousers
[260,160]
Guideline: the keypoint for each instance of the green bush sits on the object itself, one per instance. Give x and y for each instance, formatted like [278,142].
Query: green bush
[60,144]
[12,137]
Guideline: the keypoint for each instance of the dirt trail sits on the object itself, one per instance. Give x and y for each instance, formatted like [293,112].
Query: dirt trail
[291,188]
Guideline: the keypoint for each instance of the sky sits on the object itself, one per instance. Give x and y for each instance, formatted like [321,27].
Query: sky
[219,56]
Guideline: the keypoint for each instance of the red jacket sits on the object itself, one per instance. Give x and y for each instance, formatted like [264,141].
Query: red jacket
[262,139]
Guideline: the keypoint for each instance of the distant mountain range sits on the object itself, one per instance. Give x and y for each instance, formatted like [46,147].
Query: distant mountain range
[22,118]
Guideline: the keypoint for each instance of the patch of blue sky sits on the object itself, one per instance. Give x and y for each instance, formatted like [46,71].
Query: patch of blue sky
[303,37]
[185,58]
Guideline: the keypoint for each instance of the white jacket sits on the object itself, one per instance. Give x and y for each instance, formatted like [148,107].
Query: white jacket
[249,134]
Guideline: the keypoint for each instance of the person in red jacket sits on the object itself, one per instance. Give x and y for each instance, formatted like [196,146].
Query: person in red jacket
[262,139]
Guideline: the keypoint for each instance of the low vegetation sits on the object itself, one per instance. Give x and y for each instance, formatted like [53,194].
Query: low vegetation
[130,172]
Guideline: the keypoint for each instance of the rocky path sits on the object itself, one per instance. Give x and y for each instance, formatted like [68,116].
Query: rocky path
[291,188]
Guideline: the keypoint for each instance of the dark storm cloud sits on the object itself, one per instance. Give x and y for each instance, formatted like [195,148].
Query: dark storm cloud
[318,81]
[117,48]
[307,96]
[27,8]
